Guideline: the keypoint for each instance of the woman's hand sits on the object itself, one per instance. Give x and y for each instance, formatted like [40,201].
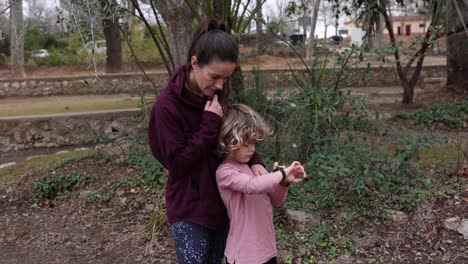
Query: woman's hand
[214,106]
[258,170]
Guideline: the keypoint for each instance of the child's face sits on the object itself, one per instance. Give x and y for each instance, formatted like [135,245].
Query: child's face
[244,152]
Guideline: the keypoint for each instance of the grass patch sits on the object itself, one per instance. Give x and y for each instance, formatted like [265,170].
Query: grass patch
[440,154]
[14,173]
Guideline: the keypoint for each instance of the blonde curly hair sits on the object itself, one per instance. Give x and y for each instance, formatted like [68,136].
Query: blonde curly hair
[241,125]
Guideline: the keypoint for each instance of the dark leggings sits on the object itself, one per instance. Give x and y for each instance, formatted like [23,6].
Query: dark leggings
[196,244]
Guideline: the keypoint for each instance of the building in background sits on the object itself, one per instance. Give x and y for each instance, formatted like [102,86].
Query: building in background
[403,26]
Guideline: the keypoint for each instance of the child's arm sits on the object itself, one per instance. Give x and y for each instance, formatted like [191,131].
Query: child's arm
[278,195]
[231,178]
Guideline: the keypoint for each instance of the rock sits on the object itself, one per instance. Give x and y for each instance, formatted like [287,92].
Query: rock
[423,218]
[463,228]
[84,194]
[302,221]
[346,259]
[457,224]
[366,242]
[452,223]
[117,148]
[397,216]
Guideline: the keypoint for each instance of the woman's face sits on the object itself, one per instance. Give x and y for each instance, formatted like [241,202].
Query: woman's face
[211,77]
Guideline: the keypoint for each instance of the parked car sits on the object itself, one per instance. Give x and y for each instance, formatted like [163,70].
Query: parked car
[94,47]
[296,39]
[335,40]
[40,53]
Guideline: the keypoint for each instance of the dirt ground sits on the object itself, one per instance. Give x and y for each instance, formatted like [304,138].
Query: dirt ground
[81,228]
[77,231]
[87,227]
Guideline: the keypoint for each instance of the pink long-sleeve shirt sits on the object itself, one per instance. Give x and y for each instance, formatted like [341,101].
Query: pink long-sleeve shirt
[249,201]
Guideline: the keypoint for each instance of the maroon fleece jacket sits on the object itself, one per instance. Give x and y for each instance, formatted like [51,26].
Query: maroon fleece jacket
[183,137]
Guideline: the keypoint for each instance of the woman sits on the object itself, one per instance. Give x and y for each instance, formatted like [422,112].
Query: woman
[183,130]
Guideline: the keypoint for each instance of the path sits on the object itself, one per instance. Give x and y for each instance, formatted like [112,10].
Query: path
[19,106]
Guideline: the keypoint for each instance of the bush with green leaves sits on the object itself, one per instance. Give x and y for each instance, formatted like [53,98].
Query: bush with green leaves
[317,123]
[54,187]
[453,115]
[349,175]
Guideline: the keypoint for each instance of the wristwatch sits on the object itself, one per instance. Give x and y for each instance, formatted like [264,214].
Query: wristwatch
[280,168]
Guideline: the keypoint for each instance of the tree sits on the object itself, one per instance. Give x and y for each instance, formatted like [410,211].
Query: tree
[311,44]
[457,47]
[111,27]
[303,8]
[369,10]
[327,12]
[178,18]
[39,13]
[17,38]
[82,15]
[259,25]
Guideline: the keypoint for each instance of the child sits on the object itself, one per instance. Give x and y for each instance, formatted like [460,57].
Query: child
[248,198]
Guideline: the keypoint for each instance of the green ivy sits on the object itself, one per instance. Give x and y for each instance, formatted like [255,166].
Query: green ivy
[453,115]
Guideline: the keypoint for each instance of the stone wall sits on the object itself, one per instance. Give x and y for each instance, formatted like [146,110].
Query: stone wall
[80,85]
[136,83]
[66,129]
[375,77]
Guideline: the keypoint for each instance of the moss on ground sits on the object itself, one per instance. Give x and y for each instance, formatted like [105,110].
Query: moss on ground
[14,173]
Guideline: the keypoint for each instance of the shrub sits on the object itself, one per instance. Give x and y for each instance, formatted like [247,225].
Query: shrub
[453,115]
[317,123]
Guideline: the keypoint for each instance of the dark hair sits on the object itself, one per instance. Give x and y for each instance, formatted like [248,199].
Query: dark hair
[211,42]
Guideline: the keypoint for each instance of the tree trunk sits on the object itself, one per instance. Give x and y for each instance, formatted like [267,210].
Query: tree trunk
[259,25]
[408,84]
[311,41]
[110,24]
[113,44]
[457,49]
[379,40]
[17,38]
[129,16]
[178,18]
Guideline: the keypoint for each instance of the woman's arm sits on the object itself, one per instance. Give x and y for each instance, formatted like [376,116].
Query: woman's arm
[168,143]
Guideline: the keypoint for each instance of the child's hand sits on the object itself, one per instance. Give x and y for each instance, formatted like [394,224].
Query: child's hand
[293,171]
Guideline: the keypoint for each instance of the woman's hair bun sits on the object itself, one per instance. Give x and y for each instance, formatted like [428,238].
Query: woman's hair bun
[216,24]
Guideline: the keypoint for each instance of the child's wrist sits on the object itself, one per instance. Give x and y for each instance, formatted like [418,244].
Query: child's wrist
[283,173]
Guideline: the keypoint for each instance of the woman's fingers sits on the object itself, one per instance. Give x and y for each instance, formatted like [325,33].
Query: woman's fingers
[214,106]
[207,105]
[215,99]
